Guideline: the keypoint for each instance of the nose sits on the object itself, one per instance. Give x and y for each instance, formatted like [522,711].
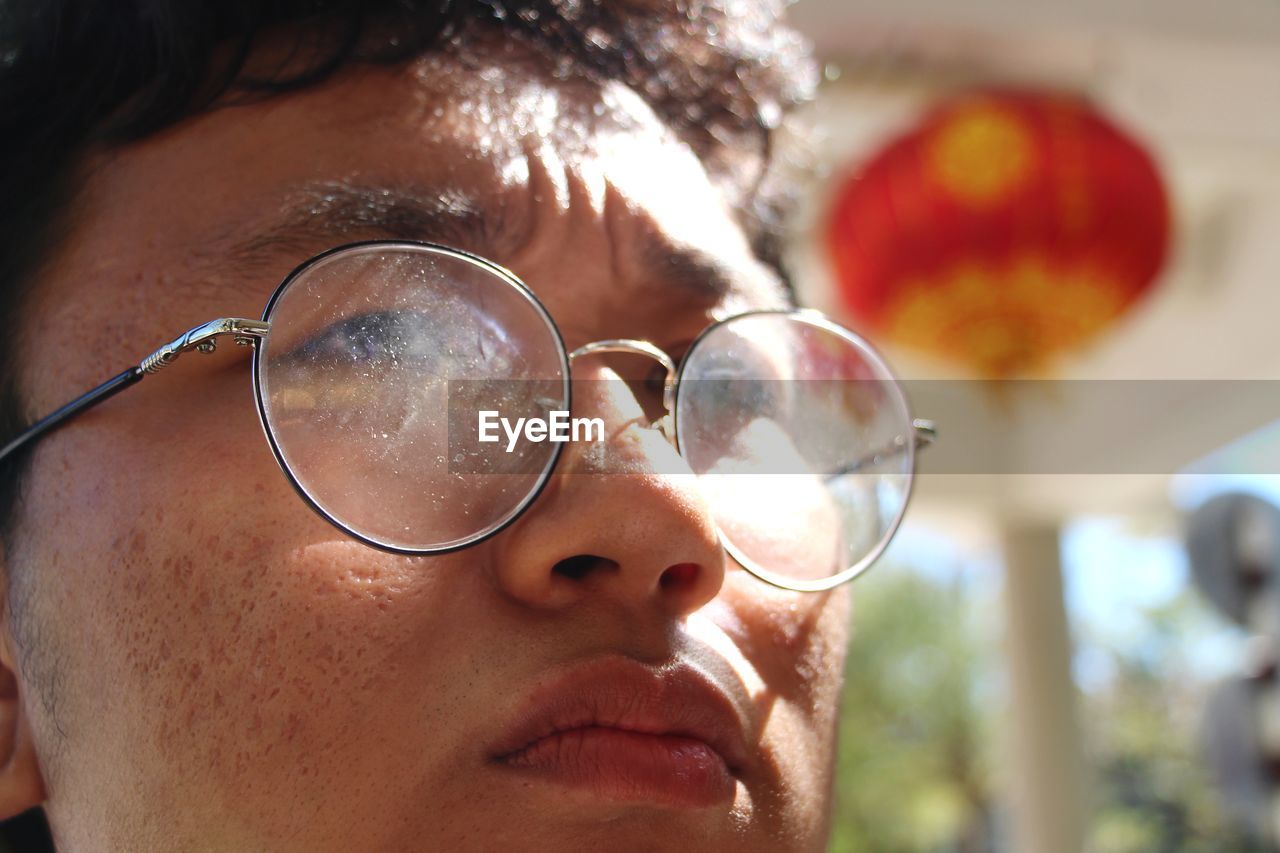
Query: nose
[622,519]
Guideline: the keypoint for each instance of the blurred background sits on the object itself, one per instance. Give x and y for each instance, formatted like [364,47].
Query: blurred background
[1062,225]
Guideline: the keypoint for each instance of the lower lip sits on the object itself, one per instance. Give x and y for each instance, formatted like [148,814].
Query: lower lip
[630,766]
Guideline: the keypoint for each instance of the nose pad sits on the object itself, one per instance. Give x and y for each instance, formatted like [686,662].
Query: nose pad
[644,382]
[622,520]
[647,370]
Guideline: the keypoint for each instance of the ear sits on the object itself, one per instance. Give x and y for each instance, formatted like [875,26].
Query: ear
[21,782]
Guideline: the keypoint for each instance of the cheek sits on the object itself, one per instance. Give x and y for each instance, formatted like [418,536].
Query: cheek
[796,641]
[213,628]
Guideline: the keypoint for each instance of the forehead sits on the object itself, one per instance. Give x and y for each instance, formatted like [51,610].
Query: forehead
[490,147]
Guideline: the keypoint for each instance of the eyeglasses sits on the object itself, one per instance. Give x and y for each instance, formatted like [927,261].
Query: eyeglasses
[376,364]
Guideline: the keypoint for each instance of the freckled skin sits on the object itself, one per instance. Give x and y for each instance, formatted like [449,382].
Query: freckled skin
[232,673]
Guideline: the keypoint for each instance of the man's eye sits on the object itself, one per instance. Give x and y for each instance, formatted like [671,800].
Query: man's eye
[380,338]
[742,386]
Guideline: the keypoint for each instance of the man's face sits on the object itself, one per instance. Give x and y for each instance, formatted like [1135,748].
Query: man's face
[207,664]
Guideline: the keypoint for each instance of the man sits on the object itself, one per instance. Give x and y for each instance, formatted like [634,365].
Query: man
[192,658]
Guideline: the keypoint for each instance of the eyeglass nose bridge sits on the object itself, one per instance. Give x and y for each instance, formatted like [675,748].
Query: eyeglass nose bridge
[646,349]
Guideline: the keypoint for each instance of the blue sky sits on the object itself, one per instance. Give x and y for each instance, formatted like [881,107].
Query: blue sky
[1115,578]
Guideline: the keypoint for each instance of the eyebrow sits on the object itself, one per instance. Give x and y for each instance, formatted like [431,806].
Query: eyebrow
[329,213]
[694,272]
[318,216]
[686,269]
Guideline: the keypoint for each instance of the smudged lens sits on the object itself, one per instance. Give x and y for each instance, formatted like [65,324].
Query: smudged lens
[801,440]
[378,359]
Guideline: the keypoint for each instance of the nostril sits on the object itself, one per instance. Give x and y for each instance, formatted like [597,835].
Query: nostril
[580,565]
[679,576]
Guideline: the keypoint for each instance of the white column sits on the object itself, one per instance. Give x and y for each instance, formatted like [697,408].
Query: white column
[1045,768]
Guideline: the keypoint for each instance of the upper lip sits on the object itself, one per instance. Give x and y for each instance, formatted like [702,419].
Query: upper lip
[620,693]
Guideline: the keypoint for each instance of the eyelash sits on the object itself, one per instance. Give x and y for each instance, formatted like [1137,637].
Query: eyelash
[338,343]
[335,344]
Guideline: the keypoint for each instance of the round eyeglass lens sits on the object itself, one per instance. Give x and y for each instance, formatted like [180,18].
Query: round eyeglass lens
[371,382]
[802,442]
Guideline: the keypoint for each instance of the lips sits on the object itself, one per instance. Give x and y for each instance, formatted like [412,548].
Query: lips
[623,731]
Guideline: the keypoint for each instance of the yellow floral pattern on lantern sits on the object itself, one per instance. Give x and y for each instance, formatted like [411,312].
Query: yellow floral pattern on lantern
[1003,320]
[980,154]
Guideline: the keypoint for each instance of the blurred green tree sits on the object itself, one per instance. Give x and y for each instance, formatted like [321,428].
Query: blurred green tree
[922,710]
[1152,789]
[914,766]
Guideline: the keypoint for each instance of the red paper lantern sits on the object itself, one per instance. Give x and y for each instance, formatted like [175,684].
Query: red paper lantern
[1005,228]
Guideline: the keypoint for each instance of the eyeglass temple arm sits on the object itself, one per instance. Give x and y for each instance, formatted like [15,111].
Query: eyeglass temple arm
[924,434]
[202,338]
